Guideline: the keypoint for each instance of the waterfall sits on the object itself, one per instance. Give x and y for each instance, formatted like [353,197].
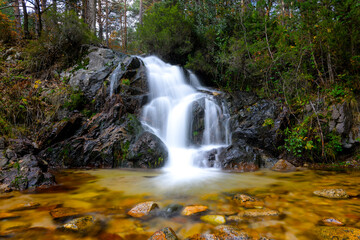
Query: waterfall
[186,116]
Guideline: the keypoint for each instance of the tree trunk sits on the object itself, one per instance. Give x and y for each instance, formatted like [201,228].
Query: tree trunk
[141,12]
[125,27]
[91,14]
[107,22]
[26,20]
[38,24]
[100,21]
[17,16]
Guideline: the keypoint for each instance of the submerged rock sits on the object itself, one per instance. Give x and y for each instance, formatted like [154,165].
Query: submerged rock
[205,236]
[62,213]
[283,166]
[248,201]
[83,224]
[213,219]
[142,209]
[332,222]
[325,233]
[193,209]
[225,232]
[258,213]
[5,215]
[171,210]
[164,234]
[332,193]
[26,206]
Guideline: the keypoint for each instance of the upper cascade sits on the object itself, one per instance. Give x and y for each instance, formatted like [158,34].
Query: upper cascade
[186,116]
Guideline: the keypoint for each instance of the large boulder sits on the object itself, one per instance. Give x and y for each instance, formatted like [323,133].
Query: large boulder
[90,78]
[148,151]
[26,172]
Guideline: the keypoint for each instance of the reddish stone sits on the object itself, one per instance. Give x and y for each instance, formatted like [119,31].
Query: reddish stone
[142,209]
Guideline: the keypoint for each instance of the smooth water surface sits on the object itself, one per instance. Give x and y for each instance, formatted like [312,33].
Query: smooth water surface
[108,195]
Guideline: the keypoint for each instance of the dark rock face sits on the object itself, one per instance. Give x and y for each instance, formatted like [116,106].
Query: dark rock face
[27,172]
[148,151]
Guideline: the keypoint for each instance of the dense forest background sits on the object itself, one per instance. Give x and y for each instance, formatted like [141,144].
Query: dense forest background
[302,53]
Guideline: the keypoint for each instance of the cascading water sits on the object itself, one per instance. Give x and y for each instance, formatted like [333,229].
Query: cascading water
[186,116]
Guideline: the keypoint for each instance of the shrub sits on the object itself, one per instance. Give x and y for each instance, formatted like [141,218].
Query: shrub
[166,32]
[61,43]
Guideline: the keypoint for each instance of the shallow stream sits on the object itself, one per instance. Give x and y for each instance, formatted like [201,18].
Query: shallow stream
[108,195]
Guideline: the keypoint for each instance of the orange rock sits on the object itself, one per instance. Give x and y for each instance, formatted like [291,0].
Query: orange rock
[324,233]
[65,212]
[25,206]
[258,213]
[283,166]
[206,236]
[164,234]
[190,210]
[332,222]
[248,201]
[225,232]
[8,215]
[142,209]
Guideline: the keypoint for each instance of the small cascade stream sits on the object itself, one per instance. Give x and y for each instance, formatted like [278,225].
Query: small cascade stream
[186,117]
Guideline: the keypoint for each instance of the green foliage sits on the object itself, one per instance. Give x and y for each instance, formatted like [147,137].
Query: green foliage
[7,35]
[166,32]
[268,122]
[61,43]
[125,81]
[76,101]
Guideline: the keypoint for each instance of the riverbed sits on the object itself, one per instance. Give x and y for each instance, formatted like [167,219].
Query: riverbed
[108,195]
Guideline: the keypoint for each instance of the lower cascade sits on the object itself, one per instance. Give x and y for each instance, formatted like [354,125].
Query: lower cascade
[189,118]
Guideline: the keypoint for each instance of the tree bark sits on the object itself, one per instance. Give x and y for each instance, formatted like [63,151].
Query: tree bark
[100,34]
[141,12]
[17,16]
[91,14]
[125,27]
[107,22]
[38,24]
[26,20]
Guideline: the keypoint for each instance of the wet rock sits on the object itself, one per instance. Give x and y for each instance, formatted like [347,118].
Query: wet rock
[235,218]
[26,206]
[90,79]
[213,219]
[142,209]
[2,143]
[283,166]
[193,209]
[109,236]
[83,224]
[258,213]
[258,123]
[332,193]
[325,233]
[148,151]
[225,232]
[5,215]
[205,236]
[164,234]
[61,130]
[3,160]
[331,222]
[248,201]
[240,156]
[63,213]
[171,210]
[26,172]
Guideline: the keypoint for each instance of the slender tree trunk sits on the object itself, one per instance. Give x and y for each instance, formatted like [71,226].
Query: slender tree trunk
[90,14]
[26,20]
[100,21]
[107,22]
[283,12]
[17,16]
[43,7]
[141,12]
[125,27]
[38,24]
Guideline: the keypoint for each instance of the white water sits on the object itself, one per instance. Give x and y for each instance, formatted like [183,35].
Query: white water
[169,114]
